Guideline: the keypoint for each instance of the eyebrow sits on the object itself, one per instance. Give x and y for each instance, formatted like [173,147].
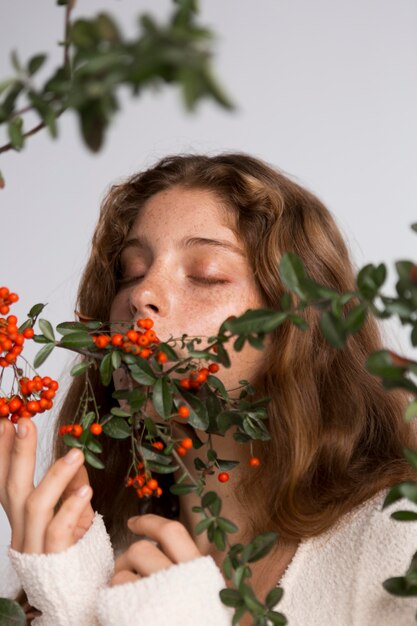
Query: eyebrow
[188,242]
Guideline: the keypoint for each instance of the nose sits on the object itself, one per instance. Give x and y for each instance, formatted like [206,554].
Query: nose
[150,297]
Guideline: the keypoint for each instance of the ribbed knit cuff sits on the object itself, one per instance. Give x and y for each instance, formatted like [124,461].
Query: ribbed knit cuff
[64,585]
[184,594]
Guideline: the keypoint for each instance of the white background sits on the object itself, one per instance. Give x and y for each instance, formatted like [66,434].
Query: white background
[325,90]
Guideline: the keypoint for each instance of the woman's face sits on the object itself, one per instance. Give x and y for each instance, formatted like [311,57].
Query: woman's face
[183,266]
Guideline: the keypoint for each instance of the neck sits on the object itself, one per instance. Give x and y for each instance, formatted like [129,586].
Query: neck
[226,448]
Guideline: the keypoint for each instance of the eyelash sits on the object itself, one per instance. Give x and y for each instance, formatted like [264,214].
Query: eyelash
[207,281]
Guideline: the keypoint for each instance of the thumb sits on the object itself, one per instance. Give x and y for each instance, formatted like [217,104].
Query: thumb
[79,479]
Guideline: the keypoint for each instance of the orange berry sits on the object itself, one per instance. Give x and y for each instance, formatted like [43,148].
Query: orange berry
[13,297]
[152,484]
[96,428]
[4,410]
[33,406]
[46,381]
[223,477]
[102,341]
[4,292]
[28,333]
[117,339]
[158,492]
[4,309]
[254,461]
[158,445]
[53,385]
[181,450]
[146,353]
[161,357]
[77,430]
[146,491]
[214,367]
[12,319]
[184,411]
[132,335]
[187,443]
[185,383]
[15,404]
[142,340]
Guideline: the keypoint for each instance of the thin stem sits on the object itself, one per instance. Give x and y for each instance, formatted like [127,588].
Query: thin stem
[68,10]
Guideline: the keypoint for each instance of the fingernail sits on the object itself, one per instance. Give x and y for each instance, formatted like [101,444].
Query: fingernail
[22,430]
[72,456]
[82,491]
[133,519]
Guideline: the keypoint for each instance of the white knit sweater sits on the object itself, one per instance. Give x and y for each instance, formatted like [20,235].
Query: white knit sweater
[333,580]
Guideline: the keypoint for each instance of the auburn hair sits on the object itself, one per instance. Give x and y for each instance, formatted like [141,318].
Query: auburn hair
[337,436]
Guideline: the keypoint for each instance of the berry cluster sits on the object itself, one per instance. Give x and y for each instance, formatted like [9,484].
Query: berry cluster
[76,430]
[30,402]
[6,299]
[198,377]
[143,483]
[133,341]
[185,445]
[11,341]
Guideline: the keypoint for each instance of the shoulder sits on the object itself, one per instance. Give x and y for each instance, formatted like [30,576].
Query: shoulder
[347,565]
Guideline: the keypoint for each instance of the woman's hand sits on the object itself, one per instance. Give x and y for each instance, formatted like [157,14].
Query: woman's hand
[30,510]
[143,558]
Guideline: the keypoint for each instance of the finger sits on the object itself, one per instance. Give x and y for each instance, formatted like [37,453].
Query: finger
[19,481]
[174,539]
[78,480]
[87,515]
[142,557]
[6,446]
[123,577]
[61,532]
[39,507]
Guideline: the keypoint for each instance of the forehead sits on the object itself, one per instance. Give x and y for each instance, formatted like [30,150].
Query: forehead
[182,210]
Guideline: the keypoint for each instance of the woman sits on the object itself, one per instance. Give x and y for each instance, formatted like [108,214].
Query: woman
[189,242]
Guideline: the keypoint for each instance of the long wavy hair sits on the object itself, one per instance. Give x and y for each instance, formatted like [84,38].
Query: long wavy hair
[337,436]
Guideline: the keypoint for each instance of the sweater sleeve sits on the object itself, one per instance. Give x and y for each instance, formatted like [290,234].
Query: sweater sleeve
[388,548]
[64,585]
[183,594]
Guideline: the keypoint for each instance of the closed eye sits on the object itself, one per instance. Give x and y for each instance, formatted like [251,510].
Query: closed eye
[208,281]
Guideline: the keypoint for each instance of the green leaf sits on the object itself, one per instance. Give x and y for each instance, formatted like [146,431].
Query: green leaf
[116,359]
[380,363]
[231,597]
[43,354]
[404,516]
[11,613]
[15,131]
[273,597]
[47,329]
[77,340]
[198,417]
[15,61]
[93,460]
[107,28]
[411,411]
[212,502]
[407,489]
[259,547]
[356,318]
[80,368]
[162,469]
[182,489]
[226,525]
[88,419]
[203,524]
[219,539]
[142,372]
[277,619]
[93,444]
[117,428]
[106,369]
[333,329]
[72,442]
[411,457]
[36,309]
[118,412]
[255,321]
[66,328]
[36,63]
[399,586]
[162,397]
